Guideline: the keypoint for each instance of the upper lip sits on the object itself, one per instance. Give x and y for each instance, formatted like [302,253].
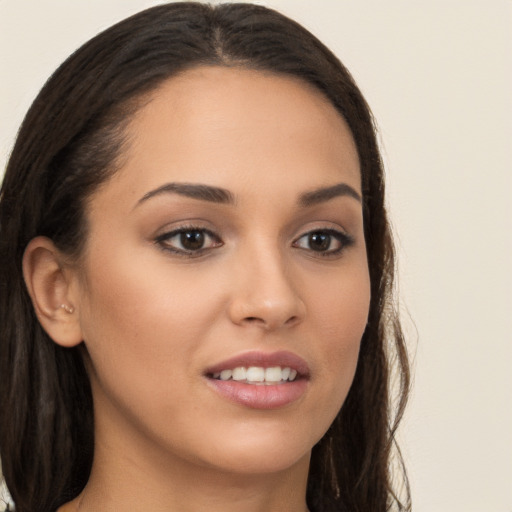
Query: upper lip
[284,359]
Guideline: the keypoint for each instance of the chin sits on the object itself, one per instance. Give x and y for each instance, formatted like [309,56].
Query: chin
[270,462]
[262,452]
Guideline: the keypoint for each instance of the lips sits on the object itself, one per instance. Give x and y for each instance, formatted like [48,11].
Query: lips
[260,380]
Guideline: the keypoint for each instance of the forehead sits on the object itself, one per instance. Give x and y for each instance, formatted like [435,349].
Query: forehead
[220,126]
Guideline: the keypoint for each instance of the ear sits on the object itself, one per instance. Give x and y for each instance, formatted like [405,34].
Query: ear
[50,284]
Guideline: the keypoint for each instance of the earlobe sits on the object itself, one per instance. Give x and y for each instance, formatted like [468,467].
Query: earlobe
[49,287]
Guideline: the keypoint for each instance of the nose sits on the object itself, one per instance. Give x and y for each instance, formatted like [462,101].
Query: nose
[265,293]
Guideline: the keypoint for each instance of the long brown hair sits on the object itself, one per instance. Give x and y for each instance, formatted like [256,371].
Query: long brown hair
[69,143]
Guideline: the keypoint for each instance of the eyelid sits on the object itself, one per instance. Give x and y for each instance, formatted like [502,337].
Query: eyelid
[161,240]
[345,240]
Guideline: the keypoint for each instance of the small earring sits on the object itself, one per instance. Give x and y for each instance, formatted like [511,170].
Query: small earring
[68,309]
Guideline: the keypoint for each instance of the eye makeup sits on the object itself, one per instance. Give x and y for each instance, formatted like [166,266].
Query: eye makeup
[188,241]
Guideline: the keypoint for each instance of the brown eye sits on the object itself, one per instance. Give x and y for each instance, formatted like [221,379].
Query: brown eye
[192,240]
[188,241]
[325,242]
[319,241]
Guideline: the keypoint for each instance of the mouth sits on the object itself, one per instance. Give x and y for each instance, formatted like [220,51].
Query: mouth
[258,375]
[260,380]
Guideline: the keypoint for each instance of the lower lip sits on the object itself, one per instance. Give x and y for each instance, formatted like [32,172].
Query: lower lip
[260,396]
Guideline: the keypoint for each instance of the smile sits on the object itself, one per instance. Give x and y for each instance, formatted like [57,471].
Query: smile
[257,375]
[259,380]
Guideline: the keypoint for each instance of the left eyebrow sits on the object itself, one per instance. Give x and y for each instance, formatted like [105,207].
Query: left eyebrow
[321,195]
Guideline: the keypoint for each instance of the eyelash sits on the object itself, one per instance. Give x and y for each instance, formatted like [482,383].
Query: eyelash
[344,241]
[163,241]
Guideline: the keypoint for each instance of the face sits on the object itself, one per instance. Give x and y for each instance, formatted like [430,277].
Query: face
[224,288]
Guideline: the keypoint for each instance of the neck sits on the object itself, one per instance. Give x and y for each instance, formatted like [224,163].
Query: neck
[191,489]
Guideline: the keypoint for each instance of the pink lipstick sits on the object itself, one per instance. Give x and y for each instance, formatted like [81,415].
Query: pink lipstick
[260,380]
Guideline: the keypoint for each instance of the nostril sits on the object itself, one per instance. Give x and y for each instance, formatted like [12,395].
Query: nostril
[257,320]
[292,320]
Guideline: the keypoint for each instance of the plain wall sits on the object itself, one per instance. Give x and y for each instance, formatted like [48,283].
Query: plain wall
[438,77]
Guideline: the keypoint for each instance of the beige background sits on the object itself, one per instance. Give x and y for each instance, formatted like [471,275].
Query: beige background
[438,76]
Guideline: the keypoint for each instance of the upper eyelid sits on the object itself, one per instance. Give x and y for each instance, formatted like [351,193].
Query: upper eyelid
[180,227]
[343,235]
[184,229]
[326,229]
[201,225]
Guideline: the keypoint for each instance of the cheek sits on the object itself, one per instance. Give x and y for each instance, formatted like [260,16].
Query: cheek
[340,306]
[134,292]
[141,327]
[341,314]
[143,331]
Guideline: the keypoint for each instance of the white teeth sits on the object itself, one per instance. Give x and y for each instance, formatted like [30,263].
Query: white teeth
[255,374]
[239,373]
[273,374]
[258,374]
[226,374]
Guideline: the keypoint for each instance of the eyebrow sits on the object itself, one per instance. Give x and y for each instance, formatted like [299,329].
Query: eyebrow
[324,194]
[223,196]
[194,191]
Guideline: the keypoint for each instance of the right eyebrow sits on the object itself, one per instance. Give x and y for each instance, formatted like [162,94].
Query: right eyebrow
[192,190]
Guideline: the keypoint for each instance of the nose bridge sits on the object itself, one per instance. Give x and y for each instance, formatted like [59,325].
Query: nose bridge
[265,291]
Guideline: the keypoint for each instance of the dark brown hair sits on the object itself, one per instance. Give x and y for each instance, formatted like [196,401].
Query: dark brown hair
[69,143]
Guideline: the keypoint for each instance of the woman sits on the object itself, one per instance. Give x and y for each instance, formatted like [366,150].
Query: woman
[196,272]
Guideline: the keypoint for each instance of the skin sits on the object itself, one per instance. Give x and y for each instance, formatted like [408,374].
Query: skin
[153,320]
